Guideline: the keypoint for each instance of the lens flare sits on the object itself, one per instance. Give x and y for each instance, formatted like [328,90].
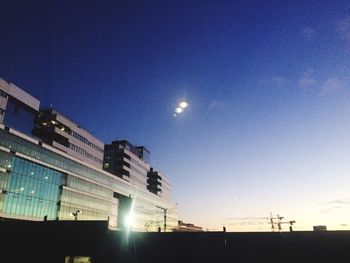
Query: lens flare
[179,110]
[183,104]
[129,220]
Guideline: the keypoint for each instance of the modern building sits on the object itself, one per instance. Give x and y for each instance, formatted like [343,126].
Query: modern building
[62,133]
[158,184]
[188,227]
[127,161]
[154,182]
[40,180]
[18,109]
[132,163]
[320,228]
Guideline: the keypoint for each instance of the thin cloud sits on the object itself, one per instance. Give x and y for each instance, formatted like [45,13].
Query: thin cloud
[331,86]
[216,104]
[307,80]
[330,209]
[308,33]
[331,206]
[344,201]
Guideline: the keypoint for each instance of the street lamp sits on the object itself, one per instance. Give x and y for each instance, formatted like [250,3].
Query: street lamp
[165,214]
[75,214]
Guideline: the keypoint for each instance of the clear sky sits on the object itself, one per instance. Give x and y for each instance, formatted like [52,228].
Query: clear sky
[267,82]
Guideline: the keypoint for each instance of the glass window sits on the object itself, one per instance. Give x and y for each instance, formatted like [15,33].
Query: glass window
[29,194]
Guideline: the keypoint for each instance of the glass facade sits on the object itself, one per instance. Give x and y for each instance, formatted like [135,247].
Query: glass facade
[92,207]
[144,154]
[33,190]
[30,190]
[19,116]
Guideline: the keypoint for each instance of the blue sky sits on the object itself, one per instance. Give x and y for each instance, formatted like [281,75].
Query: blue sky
[267,128]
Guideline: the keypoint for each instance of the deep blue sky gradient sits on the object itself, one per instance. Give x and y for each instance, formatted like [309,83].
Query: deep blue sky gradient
[267,83]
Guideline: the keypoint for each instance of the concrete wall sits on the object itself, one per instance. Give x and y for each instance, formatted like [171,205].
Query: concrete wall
[14,91]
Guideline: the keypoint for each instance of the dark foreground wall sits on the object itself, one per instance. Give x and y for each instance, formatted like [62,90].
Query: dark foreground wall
[53,241]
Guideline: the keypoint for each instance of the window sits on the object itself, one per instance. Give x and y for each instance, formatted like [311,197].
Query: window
[3,94]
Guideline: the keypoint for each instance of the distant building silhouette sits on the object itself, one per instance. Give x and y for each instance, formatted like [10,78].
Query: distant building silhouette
[320,228]
[188,227]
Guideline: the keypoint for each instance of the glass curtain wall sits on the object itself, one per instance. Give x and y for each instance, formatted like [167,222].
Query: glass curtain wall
[30,190]
[90,193]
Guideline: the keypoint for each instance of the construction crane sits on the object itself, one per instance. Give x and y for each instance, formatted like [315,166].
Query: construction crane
[280,222]
[275,222]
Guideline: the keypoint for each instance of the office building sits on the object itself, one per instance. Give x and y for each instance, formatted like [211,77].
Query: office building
[18,109]
[154,182]
[39,180]
[320,228]
[127,161]
[188,227]
[158,184]
[132,163]
[62,133]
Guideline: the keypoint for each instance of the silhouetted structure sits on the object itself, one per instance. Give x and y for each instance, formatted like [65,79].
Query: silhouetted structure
[320,228]
[188,227]
[64,241]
